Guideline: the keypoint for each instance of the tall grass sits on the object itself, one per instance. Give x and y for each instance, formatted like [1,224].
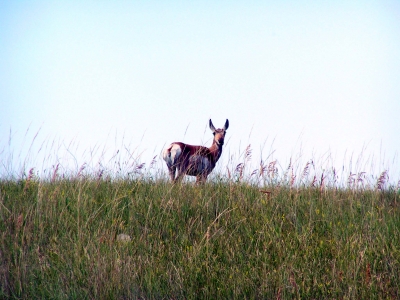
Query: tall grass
[125,232]
[61,240]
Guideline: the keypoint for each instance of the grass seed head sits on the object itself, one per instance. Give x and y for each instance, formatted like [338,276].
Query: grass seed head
[383,178]
[55,174]
[247,153]
[306,170]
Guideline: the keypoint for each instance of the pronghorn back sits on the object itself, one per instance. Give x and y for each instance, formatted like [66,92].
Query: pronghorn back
[192,160]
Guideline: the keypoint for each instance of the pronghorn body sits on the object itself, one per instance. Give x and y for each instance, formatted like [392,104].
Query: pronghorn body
[196,161]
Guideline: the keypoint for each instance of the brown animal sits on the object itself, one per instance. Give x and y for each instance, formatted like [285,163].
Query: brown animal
[196,161]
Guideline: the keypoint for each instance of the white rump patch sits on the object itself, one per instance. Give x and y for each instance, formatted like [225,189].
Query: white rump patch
[171,154]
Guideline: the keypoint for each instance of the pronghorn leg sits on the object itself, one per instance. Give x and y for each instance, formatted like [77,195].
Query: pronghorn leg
[201,179]
[179,176]
[172,171]
[198,179]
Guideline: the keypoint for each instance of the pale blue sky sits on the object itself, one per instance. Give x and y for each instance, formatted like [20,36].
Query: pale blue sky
[316,76]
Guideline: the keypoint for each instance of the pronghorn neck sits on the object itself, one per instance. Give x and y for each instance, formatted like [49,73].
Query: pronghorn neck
[216,150]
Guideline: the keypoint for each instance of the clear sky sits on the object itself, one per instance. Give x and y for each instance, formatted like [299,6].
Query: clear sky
[310,77]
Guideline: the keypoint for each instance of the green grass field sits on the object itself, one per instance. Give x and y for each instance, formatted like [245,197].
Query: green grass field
[61,239]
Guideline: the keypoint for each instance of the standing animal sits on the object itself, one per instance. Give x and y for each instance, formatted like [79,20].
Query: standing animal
[199,161]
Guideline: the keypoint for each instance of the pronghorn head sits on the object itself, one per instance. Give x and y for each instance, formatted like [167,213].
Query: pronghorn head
[219,134]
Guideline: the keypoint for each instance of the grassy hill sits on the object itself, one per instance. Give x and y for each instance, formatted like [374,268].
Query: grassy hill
[91,238]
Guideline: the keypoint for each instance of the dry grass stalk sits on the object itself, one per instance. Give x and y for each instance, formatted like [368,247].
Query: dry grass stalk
[263,169]
[279,294]
[139,167]
[289,166]
[322,183]
[247,153]
[208,235]
[314,182]
[239,169]
[272,170]
[361,178]
[81,169]
[292,280]
[335,176]
[292,178]
[100,174]
[30,175]
[55,174]
[153,162]
[383,178]
[351,180]
[229,173]
[28,180]
[19,221]
[306,170]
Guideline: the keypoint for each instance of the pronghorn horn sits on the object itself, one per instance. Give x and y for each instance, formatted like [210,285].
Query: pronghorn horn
[212,126]
[226,125]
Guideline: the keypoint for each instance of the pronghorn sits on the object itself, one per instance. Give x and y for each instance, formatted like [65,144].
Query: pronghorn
[196,161]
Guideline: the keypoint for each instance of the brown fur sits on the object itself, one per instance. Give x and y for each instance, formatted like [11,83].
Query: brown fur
[196,161]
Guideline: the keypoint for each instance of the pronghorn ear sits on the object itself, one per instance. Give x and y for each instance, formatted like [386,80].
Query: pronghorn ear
[212,126]
[226,125]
